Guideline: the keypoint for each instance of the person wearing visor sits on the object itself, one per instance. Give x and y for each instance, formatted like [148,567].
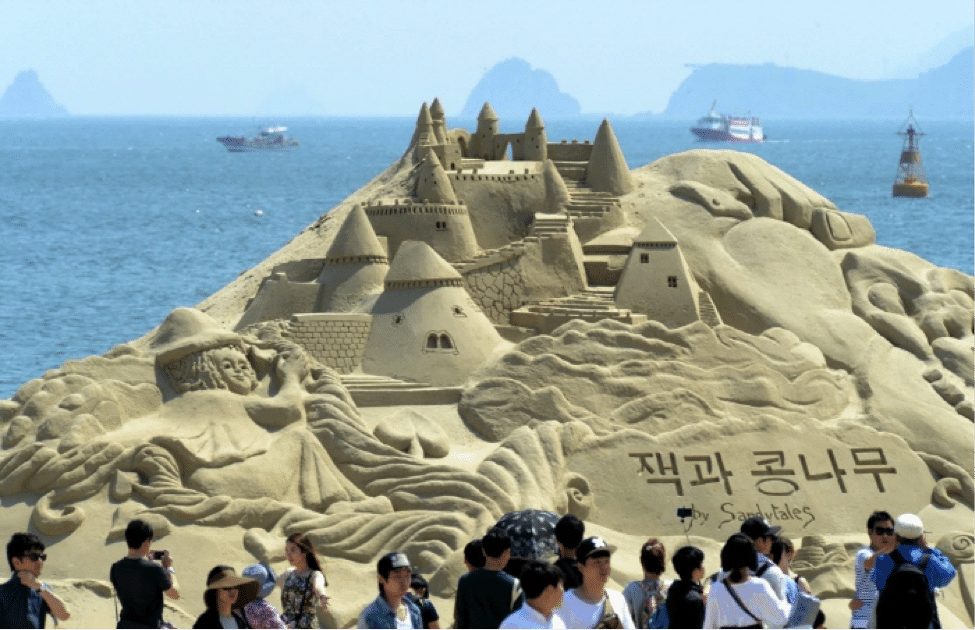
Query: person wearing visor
[593,605]
[392,609]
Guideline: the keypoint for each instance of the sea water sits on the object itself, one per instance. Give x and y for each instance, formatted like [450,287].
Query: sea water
[110,223]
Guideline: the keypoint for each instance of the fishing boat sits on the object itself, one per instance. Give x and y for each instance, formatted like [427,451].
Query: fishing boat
[268,139]
[909,180]
[715,127]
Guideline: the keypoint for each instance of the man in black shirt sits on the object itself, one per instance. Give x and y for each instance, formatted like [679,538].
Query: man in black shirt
[569,532]
[487,595]
[140,582]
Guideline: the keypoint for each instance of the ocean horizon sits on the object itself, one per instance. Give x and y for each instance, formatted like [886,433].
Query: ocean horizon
[111,222]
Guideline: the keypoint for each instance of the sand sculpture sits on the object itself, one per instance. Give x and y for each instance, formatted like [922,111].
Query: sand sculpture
[499,322]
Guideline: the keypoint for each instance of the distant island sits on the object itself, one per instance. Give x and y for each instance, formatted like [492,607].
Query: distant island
[27,97]
[513,88]
[772,91]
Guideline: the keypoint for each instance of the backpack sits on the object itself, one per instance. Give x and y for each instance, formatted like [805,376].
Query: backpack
[907,600]
[660,618]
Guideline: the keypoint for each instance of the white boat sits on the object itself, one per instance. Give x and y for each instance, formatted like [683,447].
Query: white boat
[717,127]
[268,139]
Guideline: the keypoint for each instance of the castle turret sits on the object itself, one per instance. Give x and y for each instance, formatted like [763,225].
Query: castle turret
[432,183]
[607,170]
[425,326]
[439,121]
[556,193]
[424,134]
[482,144]
[536,143]
[355,266]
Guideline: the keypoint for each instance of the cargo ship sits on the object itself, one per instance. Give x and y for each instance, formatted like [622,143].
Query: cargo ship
[717,127]
[268,139]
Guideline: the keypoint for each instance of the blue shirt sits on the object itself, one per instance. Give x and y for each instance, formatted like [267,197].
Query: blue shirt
[21,607]
[378,614]
[939,570]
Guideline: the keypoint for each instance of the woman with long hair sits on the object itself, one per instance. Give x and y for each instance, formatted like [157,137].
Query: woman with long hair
[225,596]
[737,599]
[302,585]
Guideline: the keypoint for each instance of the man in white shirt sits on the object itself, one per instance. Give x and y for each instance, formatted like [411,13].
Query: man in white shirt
[591,603]
[762,534]
[542,585]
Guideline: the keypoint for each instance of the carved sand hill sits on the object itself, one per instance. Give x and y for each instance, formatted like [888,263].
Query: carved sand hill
[498,322]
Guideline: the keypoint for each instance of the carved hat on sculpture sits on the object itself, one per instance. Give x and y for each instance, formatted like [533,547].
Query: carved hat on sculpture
[186,331]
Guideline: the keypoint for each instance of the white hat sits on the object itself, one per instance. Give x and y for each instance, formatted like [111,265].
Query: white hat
[908,526]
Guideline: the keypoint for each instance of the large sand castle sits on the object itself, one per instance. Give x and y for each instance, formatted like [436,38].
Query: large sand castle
[498,322]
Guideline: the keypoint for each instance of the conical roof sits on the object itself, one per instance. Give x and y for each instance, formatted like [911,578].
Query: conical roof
[432,183]
[424,117]
[534,120]
[487,112]
[436,109]
[608,170]
[417,262]
[655,234]
[355,239]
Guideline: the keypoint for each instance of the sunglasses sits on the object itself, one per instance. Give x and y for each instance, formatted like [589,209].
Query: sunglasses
[883,531]
[35,556]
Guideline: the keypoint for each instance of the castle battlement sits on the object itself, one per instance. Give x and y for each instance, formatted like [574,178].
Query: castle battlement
[493,177]
[424,284]
[382,208]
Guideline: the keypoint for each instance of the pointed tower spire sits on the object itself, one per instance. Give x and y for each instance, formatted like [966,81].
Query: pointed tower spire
[432,183]
[608,171]
[482,143]
[439,121]
[356,241]
[556,192]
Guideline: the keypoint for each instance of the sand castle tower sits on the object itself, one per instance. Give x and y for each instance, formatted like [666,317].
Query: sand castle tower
[434,215]
[355,267]
[425,327]
[608,171]
[439,121]
[656,280]
[482,143]
[536,143]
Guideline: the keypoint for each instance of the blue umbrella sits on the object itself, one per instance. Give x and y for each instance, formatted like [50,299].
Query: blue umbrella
[532,533]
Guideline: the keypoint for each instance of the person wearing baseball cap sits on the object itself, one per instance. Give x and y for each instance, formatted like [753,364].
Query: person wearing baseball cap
[913,548]
[763,535]
[593,604]
[392,609]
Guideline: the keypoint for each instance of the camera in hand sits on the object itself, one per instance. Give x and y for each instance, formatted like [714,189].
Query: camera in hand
[158,555]
[684,512]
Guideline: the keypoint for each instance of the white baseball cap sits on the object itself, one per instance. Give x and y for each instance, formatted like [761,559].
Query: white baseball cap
[908,526]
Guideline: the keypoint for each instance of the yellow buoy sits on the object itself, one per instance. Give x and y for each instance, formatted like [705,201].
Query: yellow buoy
[910,181]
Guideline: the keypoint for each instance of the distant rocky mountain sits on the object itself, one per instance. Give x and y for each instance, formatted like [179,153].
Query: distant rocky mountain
[27,97]
[772,91]
[513,88]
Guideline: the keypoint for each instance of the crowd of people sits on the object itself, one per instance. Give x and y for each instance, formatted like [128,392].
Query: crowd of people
[896,576]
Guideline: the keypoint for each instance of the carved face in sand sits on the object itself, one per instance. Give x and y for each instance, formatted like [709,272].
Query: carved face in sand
[236,370]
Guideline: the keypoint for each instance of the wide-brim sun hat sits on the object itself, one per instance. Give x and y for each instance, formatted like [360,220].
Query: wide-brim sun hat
[265,578]
[246,587]
[187,330]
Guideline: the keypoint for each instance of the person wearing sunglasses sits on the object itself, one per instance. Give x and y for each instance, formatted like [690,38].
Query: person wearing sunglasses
[880,529]
[25,602]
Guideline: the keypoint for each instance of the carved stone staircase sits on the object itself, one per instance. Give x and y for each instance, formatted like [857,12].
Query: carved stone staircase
[493,256]
[592,305]
[706,310]
[549,225]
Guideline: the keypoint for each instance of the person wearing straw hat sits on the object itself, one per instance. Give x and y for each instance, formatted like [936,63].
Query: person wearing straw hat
[259,613]
[226,594]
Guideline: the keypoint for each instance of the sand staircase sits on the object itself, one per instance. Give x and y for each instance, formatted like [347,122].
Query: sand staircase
[549,225]
[368,390]
[592,305]
[706,310]
[491,257]
[583,201]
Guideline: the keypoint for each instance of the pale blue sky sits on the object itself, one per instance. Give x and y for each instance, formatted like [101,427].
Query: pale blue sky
[385,57]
